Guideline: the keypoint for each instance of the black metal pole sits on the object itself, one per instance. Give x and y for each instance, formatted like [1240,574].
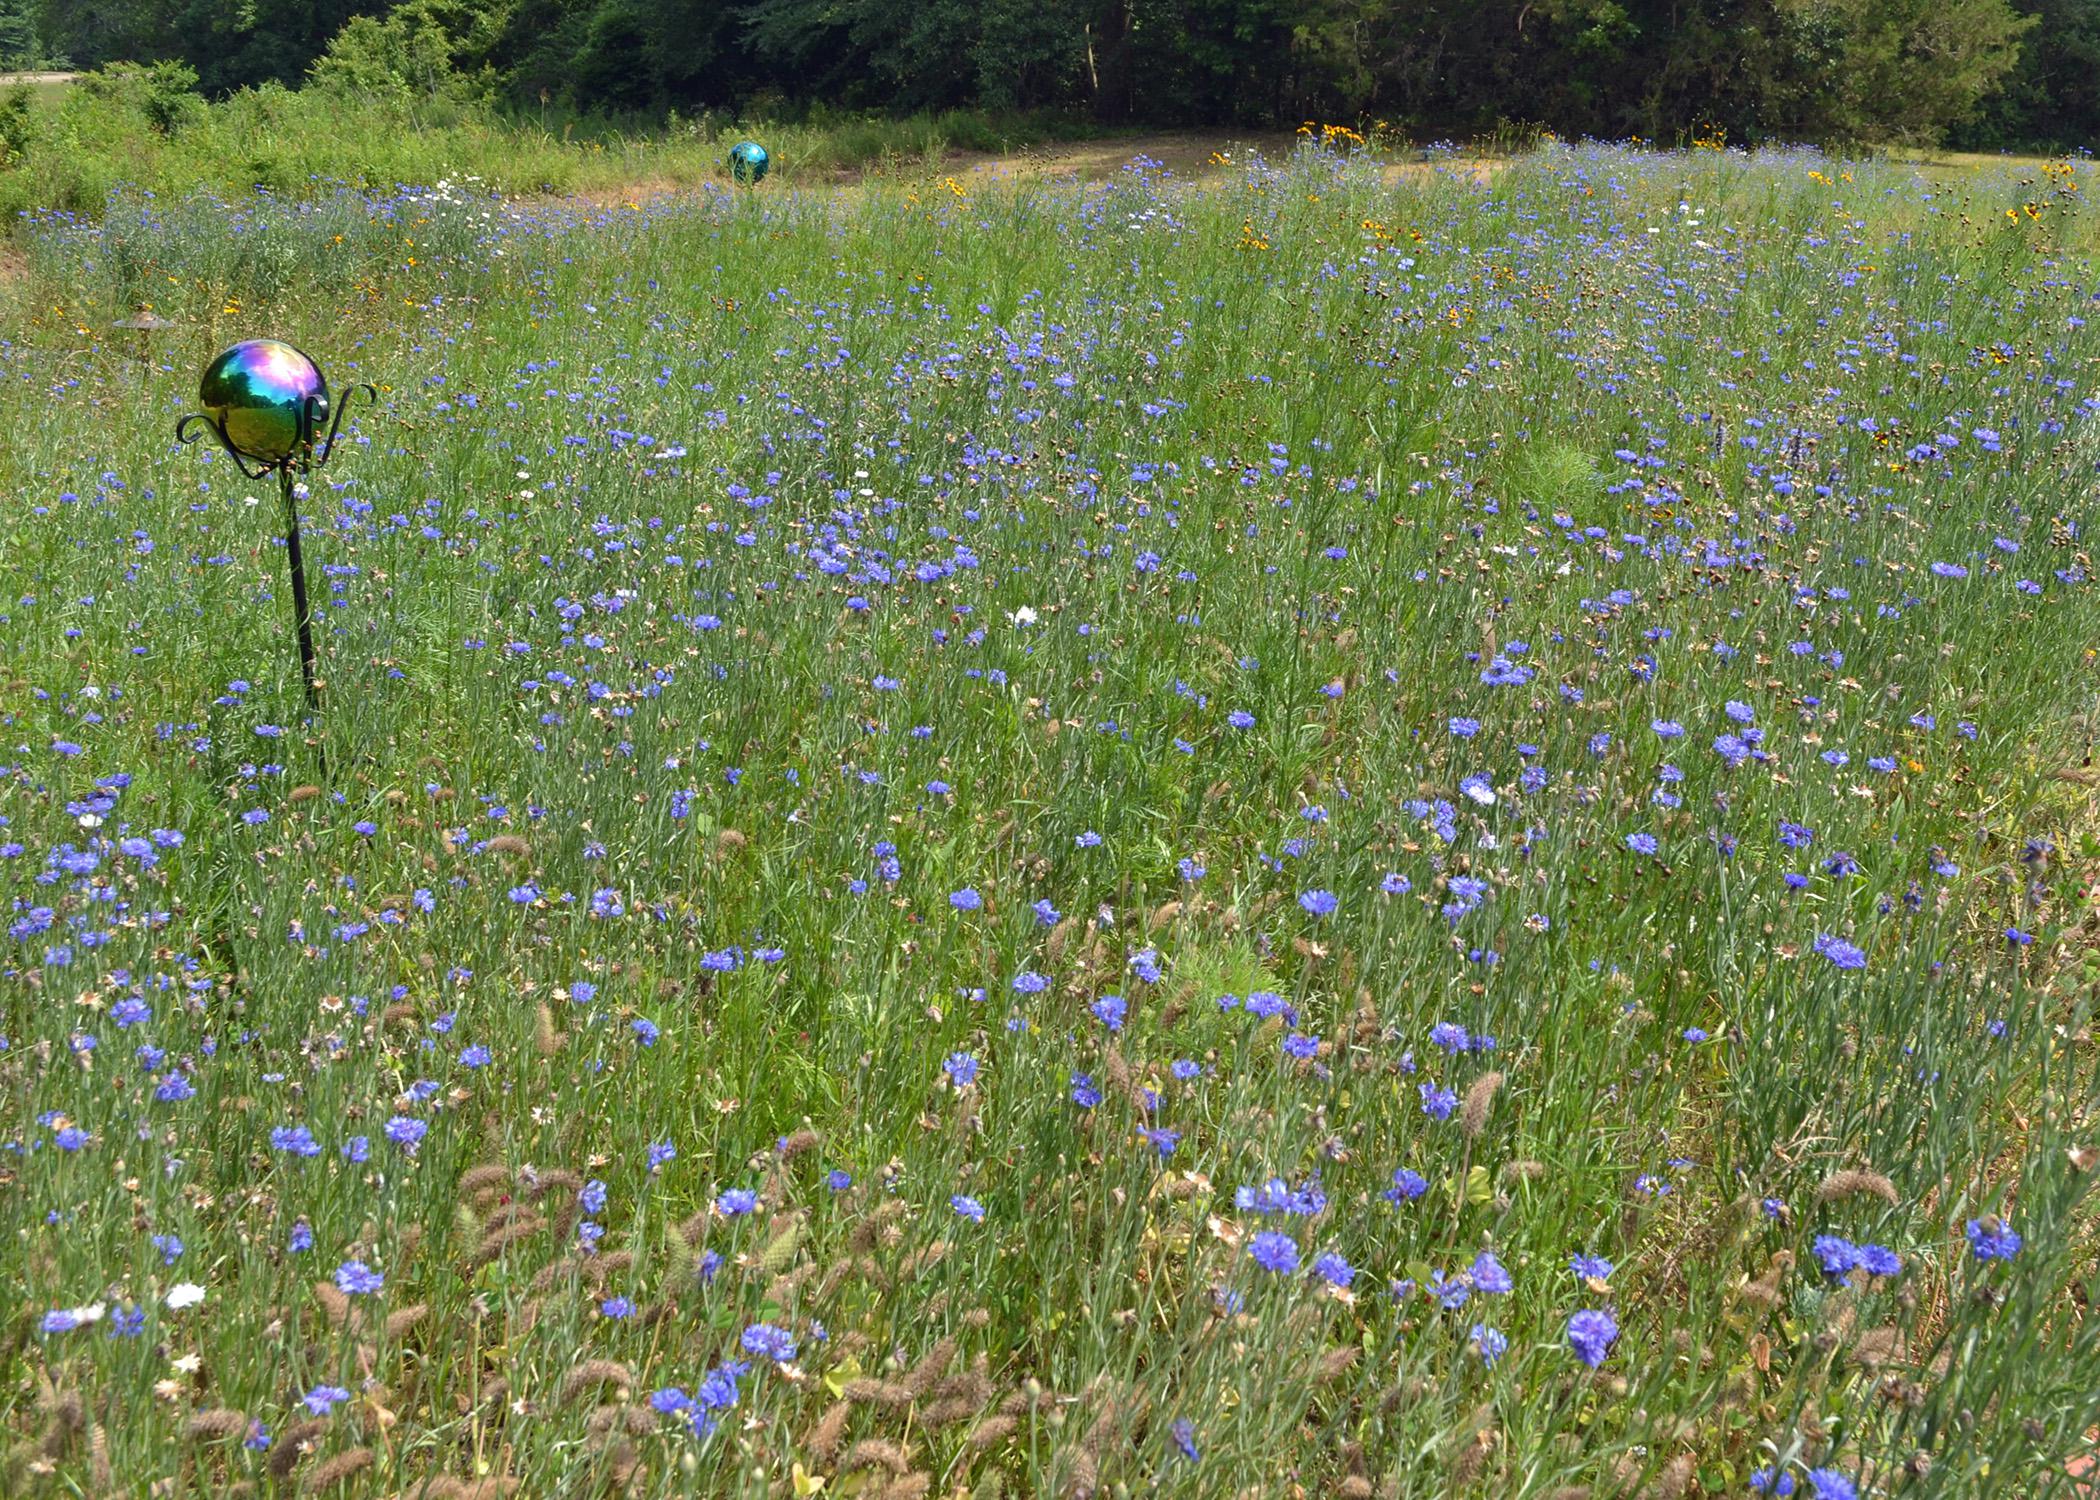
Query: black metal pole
[301,615]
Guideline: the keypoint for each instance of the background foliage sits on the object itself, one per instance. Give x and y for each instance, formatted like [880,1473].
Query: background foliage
[1992,73]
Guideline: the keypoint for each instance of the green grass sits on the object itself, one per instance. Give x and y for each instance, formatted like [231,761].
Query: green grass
[86,145]
[1185,524]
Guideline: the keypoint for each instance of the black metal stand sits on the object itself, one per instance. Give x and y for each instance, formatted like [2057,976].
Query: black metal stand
[302,613]
[302,460]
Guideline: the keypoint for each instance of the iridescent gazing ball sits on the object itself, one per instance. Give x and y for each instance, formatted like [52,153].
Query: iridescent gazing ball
[748,161]
[266,397]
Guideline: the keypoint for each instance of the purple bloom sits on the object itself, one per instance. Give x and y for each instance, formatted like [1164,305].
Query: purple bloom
[294,1140]
[1829,1484]
[769,1342]
[355,1278]
[1880,1260]
[1408,1185]
[1490,1275]
[1333,1270]
[1274,1252]
[1591,1333]
[1837,1255]
[1993,1239]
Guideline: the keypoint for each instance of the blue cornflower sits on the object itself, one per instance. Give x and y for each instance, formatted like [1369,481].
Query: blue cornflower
[1842,955]
[1182,1433]
[1829,1484]
[1990,1238]
[1490,1275]
[961,1069]
[1333,1269]
[1492,1343]
[322,1399]
[356,1279]
[1591,1333]
[1451,1292]
[735,1201]
[968,1207]
[1110,1010]
[966,899]
[294,1140]
[1319,903]
[1274,1252]
[1880,1260]
[1084,1093]
[1437,1101]
[1408,1185]
[1837,1255]
[1590,1267]
[659,1153]
[769,1342]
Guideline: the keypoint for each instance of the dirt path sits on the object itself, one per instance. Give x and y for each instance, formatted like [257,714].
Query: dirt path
[7,80]
[1188,155]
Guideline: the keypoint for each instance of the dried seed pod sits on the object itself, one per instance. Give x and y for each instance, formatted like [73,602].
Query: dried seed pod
[992,1431]
[1473,1116]
[487,1175]
[593,1373]
[1853,1184]
[823,1439]
[216,1424]
[293,1444]
[335,1470]
[870,1453]
[400,1321]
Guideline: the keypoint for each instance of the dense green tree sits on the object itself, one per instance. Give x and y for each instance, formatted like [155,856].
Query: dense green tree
[20,45]
[2051,99]
[1999,71]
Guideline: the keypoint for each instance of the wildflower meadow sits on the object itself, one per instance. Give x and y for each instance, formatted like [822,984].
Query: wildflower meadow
[1328,830]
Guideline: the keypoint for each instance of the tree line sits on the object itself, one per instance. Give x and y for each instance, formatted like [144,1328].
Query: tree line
[2016,74]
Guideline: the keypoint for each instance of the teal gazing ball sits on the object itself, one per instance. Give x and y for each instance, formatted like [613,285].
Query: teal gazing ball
[748,161]
[266,398]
